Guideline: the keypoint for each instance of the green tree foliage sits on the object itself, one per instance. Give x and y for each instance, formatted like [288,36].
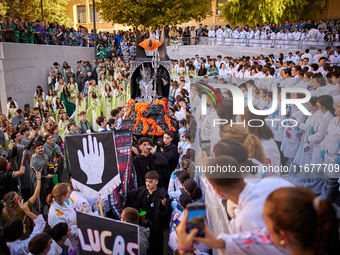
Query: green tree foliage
[149,13]
[271,11]
[54,10]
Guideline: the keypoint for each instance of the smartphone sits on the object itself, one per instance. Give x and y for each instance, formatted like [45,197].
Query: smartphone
[196,218]
[206,146]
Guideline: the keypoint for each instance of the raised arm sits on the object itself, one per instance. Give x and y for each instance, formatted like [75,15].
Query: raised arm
[23,163]
[37,188]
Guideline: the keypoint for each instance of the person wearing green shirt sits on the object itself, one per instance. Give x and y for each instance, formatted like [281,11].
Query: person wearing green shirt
[212,69]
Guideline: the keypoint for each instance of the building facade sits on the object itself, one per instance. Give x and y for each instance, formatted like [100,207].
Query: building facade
[80,11]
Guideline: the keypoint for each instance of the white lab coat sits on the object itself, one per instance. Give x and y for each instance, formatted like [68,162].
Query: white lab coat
[320,132]
[250,243]
[56,249]
[20,247]
[78,200]
[333,90]
[271,151]
[65,213]
[330,145]
[174,187]
[291,144]
[304,153]
[250,204]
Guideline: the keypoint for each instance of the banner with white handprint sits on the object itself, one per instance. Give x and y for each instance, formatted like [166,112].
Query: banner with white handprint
[93,162]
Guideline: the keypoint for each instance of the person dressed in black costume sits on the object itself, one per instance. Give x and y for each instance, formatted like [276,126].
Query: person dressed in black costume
[156,205]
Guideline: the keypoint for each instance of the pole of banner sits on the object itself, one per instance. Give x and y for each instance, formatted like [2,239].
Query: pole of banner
[100,206]
[94,31]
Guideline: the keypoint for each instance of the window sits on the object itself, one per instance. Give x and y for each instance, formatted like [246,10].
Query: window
[91,14]
[81,14]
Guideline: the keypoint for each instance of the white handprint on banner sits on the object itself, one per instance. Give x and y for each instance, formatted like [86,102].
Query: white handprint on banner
[92,161]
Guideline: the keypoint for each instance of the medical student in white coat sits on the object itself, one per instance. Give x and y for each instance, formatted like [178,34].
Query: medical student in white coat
[292,135]
[330,144]
[62,209]
[325,103]
[330,154]
[305,150]
[265,134]
[87,204]
[14,230]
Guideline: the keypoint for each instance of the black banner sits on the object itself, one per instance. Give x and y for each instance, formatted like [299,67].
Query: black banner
[103,236]
[92,158]
[123,141]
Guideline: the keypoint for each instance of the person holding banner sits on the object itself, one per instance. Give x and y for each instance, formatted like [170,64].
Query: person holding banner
[155,202]
[131,215]
[60,240]
[62,209]
[84,126]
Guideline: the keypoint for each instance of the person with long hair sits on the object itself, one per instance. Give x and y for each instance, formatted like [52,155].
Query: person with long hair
[305,150]
[11,242]
[62,209]
[7,175]
[325,103]
[250,141]
[38,93]
[63,122]
[94,110]
[296,220]
[80,106]
[11,202]
[108,101]
[212,70]
[265,134]
[73,89]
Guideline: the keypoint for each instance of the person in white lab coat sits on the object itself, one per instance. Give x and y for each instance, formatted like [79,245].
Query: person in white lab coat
[297,232]
[330,154]
[60,240]
[325,103]
[250,199]
[62,209]
[265,134]
[305,150]
[14,230]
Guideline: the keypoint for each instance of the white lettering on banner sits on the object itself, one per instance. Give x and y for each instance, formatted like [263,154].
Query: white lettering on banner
[238,100]
[98,243]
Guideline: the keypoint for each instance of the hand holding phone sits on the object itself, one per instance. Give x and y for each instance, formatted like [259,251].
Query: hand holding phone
[196,218]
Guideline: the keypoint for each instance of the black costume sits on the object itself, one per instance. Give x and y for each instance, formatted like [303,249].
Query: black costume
[157,214]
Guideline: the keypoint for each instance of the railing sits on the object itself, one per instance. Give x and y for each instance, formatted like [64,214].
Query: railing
[10,36]
[267,43]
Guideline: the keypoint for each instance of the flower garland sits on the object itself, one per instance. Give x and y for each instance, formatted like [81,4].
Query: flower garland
[141,107]
[130,102]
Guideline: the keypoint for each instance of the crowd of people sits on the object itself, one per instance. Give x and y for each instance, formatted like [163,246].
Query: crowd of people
[262,212]
[252,67]
[18,30]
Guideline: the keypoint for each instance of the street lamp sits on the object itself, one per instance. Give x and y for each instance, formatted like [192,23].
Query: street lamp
[42,11]
[94,31]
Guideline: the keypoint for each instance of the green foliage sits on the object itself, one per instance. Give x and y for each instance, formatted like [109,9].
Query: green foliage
[150,13]
[271,11]
[54,10]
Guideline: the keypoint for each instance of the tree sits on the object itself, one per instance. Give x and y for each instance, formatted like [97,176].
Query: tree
[150,13]
[54,10]
[270,11]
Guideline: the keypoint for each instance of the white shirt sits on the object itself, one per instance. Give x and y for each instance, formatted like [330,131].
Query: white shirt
[211,33]
[219,33]
[19,246]
[309,56]
[250,204]
[56,249]
[15,103]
